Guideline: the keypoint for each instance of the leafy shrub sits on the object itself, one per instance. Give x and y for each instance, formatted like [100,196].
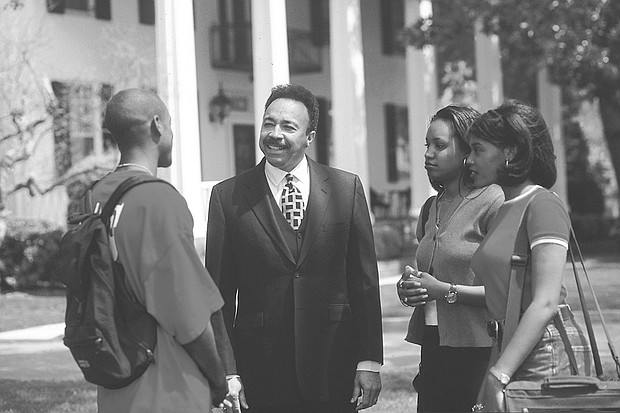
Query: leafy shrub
[27,254]
[388,241]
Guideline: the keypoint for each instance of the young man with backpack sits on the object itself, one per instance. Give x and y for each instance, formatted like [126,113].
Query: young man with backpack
[153,236]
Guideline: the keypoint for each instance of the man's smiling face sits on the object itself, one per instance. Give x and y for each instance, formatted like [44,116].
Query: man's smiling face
[283,137]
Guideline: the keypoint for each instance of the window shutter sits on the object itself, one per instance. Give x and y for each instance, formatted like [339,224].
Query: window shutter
[56,6]
[105,93]
[103,10]
[62,141]
[323,132]
[319,22]
[390,139]
[392,23]
[146,11]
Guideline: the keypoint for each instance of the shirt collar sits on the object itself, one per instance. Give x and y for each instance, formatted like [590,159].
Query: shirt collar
[276,175]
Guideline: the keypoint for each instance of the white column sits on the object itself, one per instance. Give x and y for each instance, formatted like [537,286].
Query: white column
[348,89]
[176,83]
[488,69]
[269,54]
[421,103]
[550,104]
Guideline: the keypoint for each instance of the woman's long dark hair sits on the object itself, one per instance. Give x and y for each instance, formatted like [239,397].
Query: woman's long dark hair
[461,118]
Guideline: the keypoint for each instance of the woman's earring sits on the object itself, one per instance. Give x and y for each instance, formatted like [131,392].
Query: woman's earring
[464,162]
[507,162]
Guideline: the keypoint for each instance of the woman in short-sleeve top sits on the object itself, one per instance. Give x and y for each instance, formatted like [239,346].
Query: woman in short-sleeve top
[511,146]
[449,321]
[546,221]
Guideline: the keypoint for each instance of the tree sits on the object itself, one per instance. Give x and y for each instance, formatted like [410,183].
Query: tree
[578,40]
[27,111]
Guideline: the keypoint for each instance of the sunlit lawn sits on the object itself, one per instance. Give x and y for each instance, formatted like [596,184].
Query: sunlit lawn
[76,396]
[21,310]
[80,397]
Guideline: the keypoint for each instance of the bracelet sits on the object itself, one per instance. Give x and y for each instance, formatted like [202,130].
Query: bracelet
[502,377]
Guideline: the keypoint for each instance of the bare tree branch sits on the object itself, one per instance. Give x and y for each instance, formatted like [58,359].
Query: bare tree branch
[34,188]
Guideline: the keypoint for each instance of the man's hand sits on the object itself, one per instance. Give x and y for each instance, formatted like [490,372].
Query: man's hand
[366,389]
[235,396]
[218,394]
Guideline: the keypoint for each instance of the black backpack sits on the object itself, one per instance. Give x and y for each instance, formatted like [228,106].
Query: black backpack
[110,335]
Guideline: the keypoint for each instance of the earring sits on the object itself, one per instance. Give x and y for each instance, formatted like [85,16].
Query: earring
[464,162]
[507,162]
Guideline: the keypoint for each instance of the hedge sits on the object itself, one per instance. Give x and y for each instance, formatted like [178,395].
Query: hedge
[27,254]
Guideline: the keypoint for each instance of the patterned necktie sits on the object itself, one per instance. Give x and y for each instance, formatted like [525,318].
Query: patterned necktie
[292,203]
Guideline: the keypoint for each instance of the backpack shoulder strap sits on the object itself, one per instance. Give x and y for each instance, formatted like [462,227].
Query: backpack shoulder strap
[125,186]
[87,199]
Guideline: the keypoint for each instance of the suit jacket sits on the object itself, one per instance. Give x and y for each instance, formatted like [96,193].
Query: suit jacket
[298,323]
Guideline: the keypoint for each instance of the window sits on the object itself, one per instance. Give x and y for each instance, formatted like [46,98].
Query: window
[101,9]
[146,11]
[77,122]
[392,25]
[235,35]
[397,140]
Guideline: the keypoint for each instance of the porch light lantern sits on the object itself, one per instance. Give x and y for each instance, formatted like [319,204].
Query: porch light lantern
[219,106]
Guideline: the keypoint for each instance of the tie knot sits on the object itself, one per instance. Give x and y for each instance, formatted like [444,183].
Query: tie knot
[289,181]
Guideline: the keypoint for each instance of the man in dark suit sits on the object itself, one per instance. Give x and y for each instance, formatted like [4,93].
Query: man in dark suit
[300,288]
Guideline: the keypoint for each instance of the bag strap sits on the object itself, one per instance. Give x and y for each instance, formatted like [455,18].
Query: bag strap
[125,186]
[519,261]
[586,314]
[425,211]
[518,265]
[559,324]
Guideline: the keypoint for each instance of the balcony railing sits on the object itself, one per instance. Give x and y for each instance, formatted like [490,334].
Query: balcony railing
[231,48]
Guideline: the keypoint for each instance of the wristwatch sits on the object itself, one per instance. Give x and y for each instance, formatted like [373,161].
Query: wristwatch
[502,377]
[452,294]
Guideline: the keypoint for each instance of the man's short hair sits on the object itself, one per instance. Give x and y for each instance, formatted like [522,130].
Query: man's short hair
[129,110]
[300,94]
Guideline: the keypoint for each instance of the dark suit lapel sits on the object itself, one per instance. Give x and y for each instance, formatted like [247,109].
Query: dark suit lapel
[259,197]
[317,205]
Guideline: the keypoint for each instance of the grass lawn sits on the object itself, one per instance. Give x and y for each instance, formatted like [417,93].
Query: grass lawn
[22,310]
[80,397]
[38,396]
[19,310]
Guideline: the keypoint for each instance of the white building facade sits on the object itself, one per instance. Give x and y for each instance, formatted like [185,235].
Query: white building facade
[376,96]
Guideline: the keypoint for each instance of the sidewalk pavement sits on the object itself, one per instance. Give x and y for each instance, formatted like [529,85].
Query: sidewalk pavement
[39,333]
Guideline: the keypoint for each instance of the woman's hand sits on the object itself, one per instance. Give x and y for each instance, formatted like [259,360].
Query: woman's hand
[435,289]
[491,395]
[410,290]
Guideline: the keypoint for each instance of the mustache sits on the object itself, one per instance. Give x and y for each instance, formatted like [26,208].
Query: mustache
[275,142]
